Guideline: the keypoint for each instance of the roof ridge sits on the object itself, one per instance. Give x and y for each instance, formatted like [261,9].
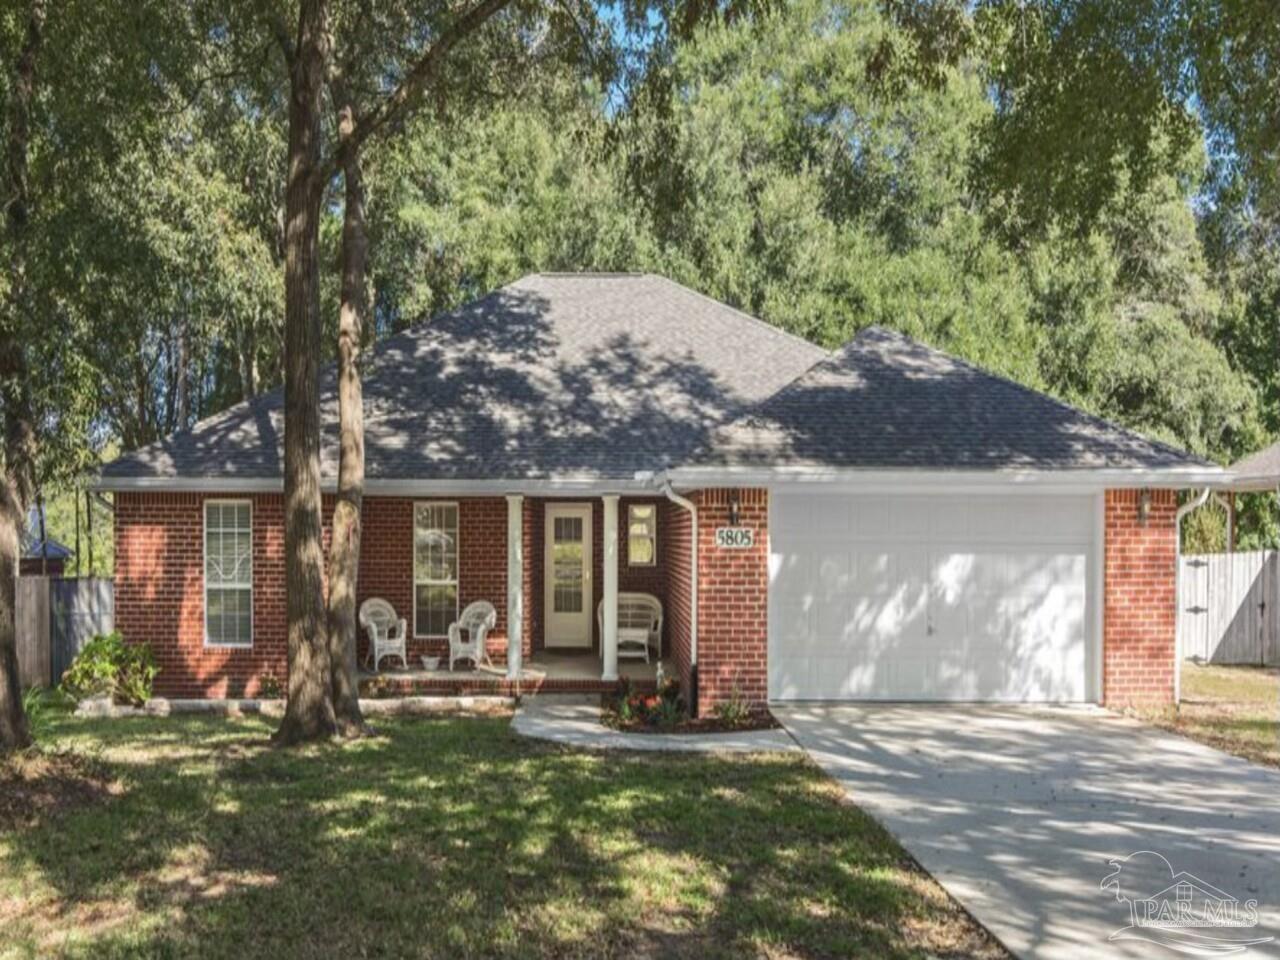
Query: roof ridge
[741,313]
[594,274]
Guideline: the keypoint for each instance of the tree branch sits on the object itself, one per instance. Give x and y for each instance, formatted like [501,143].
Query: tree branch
[280,30]
[415,81]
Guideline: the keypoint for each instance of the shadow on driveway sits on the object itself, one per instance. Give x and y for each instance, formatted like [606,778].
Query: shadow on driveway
[1017,811]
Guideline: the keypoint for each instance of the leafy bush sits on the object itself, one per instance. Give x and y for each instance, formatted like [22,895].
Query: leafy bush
[107,666]
[269,688]
[735,711]
[663,709]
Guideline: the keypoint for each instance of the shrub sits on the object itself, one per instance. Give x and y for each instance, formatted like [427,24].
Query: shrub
[107,666]
[735,711]
[269,688]
[662,709]
[668,712]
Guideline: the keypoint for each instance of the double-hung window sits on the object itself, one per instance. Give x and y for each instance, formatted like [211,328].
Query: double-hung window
[435,568]
[228,573]
[642,534]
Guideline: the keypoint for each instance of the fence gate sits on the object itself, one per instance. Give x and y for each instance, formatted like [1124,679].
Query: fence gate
[1231,607]
[79,609]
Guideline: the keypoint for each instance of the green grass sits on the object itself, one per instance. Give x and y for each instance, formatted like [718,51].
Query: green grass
[452,837]
[1236,709]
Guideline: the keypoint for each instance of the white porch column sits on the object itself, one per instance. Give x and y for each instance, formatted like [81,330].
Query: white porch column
[609,642]
[515,584]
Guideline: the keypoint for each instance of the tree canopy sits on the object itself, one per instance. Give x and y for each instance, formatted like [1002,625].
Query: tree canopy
[801,164]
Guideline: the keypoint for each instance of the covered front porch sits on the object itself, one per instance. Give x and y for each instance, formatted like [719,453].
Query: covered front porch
[577,588]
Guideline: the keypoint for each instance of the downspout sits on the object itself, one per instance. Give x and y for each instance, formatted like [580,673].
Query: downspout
[693,590]
[1183,510]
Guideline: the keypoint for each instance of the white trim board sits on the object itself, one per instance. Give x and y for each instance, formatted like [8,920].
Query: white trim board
[781,478]
[947,481]
[562,486]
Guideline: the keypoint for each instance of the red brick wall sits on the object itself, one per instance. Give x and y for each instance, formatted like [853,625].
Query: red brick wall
[159,594]
[160,587]
[1139,613]
[674,548]
[733,593]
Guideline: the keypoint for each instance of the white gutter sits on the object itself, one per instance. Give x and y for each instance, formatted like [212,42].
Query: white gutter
[565,485]
[1183,510]
[693,586]
[929,481]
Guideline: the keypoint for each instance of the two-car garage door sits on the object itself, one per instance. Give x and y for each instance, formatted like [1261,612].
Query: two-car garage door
[981,598]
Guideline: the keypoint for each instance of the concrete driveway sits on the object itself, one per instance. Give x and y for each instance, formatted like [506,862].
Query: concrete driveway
[1017,811]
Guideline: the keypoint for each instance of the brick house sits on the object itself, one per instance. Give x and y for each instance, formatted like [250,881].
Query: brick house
[878,522]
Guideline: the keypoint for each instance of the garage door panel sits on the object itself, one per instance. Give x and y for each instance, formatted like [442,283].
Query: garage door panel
[976,598]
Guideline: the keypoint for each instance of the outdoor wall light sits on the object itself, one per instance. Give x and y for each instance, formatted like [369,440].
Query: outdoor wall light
[1144,507]
[734,507]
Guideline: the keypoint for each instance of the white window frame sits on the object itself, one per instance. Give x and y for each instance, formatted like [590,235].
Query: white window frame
[653,537]
[204,566]
[456,583]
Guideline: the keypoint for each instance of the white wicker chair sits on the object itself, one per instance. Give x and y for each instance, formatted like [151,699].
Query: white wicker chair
[477,620]
[639,625]
[387,632]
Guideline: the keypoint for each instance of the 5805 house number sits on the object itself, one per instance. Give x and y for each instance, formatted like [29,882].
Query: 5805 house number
[735,538]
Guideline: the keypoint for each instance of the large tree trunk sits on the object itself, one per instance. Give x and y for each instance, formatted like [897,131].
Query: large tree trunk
[309,712]
[344,545]
[15,379]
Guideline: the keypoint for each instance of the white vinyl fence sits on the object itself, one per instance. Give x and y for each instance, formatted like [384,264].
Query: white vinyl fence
[1231,607]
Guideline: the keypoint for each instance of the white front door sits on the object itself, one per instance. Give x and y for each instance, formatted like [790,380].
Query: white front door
[931,598]
[568,575]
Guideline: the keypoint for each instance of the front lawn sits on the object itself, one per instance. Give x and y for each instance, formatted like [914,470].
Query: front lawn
[1236,709]
[452,837]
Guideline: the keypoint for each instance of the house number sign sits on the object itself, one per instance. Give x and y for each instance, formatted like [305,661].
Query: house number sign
[735,538]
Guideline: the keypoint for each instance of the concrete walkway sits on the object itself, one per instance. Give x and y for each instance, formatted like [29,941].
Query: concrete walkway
[1017,812]
[575,721]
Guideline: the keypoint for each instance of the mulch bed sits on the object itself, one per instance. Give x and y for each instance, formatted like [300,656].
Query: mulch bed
[35,785]
[761,720]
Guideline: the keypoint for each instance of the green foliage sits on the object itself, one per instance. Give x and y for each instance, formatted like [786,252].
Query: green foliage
[36,706]
[664,708]
[735,711]
[1123,266]
[108,666]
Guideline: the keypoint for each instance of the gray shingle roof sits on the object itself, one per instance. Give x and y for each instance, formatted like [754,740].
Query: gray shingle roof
[885,401]
[1258,471]
[553,375]
[33,548]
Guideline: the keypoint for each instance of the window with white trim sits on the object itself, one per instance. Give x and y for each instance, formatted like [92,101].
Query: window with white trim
[435,568]
[642,534]
[228,573]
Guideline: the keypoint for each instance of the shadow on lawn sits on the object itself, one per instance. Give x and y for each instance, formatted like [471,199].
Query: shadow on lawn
[455,838]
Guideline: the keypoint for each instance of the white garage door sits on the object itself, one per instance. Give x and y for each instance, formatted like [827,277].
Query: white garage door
[931,598]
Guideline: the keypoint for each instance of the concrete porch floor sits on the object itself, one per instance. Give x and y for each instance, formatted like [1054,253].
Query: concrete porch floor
[546,670]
